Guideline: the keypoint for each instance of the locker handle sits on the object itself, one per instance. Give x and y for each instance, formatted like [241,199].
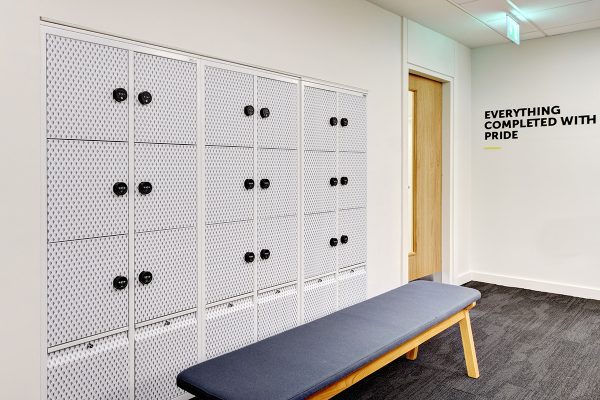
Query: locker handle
[119,94]
[144,98]
[344,122]
[145,188]
[249,184]
[265,183]
[249,111]
[249,257]
[120,282]
[333,242]
[120,188]
[265,254]
[90,345]
[333,181]
[344,239]
[333,121]
[344,180]
[265,113]
[145,277]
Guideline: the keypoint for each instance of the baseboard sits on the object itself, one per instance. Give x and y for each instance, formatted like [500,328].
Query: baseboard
[531,284]
[463,278]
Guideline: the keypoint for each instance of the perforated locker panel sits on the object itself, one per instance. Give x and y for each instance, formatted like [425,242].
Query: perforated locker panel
[227,199]
[81,201]
[162,351]
[319,107]
[229,326]
[280,237]
[354,167]
[319,194]
[353,225]
[97,370]
[171,115]
[170,256]
[226,93]
[280,168]
[319,298]
[171,170]
[319,254]
[352,286]
[277,311]
[81,298]
[280,128]
[353,137]
[227,272]
[80,79]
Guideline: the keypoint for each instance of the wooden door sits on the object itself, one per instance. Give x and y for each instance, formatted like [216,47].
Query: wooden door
[426,255]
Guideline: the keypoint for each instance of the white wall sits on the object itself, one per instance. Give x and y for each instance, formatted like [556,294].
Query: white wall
[536,202]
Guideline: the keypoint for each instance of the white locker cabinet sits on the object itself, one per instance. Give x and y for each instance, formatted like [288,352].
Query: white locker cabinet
[352,230]
[352,286]
[86,90]
[87,189]
[277,311]
[352,132]
[230,184]
[353,180]
[229,326]
[165,100]
[229,107]
[162,351]
[165,186]
[277,120]
[165,273]
[277,252]
[320,119]
[320,182]
[230,258]
[319,297]
[97,370]
[277,183]
[320,244]
[87,288]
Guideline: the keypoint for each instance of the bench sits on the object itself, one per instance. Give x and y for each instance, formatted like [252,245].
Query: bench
[322,358]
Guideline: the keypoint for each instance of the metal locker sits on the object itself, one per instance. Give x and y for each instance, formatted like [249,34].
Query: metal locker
[353,180]
[230,184]
[319,298]
[352,134]
[320,244]
[229,326]
[352,230]
[97,370]
[162,351]
[165,273]
[86,90]
[87,288]
[277,183]
[277,252]
[277,311]
[229,107]
[352,286]
[320,181]
[229,260]
[320,119]
[165,186]
[165,100]
[87,189]
[277,114]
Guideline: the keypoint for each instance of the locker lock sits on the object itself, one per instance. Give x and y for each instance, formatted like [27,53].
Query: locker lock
[249,184]
[249,257]
[333,242]
[333,121]
[145,188]
[344,180]
[120,282]
[90,345]
[265,183]
[344,239]
[144,98]
[333,181]
[264,112]
[344,122]
[145,277]
[120,188]
[120,94]
[248,111]
[265,254]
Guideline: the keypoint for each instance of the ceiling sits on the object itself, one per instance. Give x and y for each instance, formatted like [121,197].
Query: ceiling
[477,23]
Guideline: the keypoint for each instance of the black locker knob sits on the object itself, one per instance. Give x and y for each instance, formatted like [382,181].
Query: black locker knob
[344,180]
[145,277]
[144,98]
[264,112]
[265,254]
[119,94]
[145,188]
[249,257]
[265,183]
[344,239]
[333,121]
[344,122]
[120,282]
[333,242]
[249,184]
[120,188]
[249,111]
[333,181]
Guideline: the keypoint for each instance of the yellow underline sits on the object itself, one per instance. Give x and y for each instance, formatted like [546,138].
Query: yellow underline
[492,148]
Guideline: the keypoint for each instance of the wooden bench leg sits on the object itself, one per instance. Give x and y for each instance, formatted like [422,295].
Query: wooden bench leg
[412,354]
[469,346]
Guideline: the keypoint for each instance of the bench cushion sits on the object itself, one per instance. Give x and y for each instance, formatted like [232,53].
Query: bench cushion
[308,358]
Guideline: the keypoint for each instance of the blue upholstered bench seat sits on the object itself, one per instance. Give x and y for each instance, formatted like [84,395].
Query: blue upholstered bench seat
[310,357]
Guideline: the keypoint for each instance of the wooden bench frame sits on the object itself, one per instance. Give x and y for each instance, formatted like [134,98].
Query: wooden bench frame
[411,349]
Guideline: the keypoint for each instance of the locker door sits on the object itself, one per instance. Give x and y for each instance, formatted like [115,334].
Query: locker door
[320,119]
[277,311]
[229,326]
[165,100]
[320,181]
[229,107]
[277,252]
[353,237]
[169,201]
[320,244]
[97,370]
[353,189]
[319,298]
[165,272]
[277,119]
[162,351]
[86,90]
[352,133]
[352,286]
[277,183]
[82,198]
